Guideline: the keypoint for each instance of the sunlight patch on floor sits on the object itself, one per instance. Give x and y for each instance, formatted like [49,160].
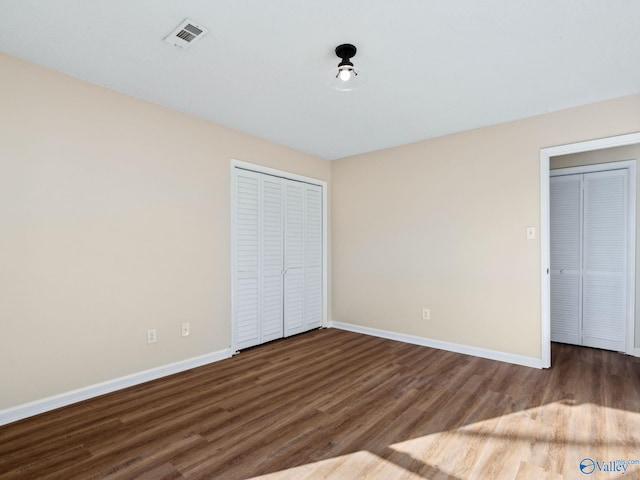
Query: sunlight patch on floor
[353,466]
[553,439]
[543,443]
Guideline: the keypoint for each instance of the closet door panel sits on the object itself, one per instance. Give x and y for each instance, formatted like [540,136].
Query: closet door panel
[294,302]
[605,222]
[247,313]
[278,258]
[566,310]
[566,259]
[294,257]
[604,312]
[313,285]
[605,253]
[294,225]
[272,257]
[247,288]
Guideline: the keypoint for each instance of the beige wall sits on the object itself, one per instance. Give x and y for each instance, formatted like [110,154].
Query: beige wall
[115,218]
[630,152]
[441,224]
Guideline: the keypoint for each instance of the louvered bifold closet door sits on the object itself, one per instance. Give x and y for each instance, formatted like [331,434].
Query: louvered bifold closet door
[278,286]
[566,258]
[247,276]
[313,285]
[294,213]
[272,258]
[604,265]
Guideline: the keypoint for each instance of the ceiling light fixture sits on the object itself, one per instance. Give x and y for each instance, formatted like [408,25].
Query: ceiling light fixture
[346,77]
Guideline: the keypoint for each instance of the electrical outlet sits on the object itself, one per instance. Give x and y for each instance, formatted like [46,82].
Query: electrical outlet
[152,335]
[186,329]
[426,314]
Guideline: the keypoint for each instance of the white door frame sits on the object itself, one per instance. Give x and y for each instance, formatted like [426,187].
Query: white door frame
[291,176]
[545,248]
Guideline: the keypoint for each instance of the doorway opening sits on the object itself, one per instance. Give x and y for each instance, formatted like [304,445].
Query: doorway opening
[546,154]
[592,233]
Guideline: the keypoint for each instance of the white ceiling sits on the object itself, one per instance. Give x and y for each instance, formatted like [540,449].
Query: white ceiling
[434,66]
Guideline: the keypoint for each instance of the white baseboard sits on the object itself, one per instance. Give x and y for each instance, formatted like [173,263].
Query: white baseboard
[442,345]
[50,403]
[636,352]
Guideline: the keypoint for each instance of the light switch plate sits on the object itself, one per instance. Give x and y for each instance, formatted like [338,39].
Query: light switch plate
[531,233]
[186,329]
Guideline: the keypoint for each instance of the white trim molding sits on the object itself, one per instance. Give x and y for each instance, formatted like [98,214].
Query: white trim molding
[442,345]
[51,403]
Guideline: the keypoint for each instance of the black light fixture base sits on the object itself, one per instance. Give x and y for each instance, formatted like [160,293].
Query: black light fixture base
[346,77]
[346,51]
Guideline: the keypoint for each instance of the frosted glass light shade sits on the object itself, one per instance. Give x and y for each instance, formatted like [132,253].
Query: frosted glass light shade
[344,80]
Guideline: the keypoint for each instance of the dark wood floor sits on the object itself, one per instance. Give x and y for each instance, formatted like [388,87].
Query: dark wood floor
[335,404]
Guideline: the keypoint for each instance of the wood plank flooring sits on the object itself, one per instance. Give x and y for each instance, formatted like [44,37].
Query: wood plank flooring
[340,405]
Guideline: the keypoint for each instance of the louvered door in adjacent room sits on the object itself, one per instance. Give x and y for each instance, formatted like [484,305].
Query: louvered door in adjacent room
[604,265]
[565,195]
[278,257]
[589,258]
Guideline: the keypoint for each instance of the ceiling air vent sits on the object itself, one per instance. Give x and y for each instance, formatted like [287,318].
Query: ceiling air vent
[185,34]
